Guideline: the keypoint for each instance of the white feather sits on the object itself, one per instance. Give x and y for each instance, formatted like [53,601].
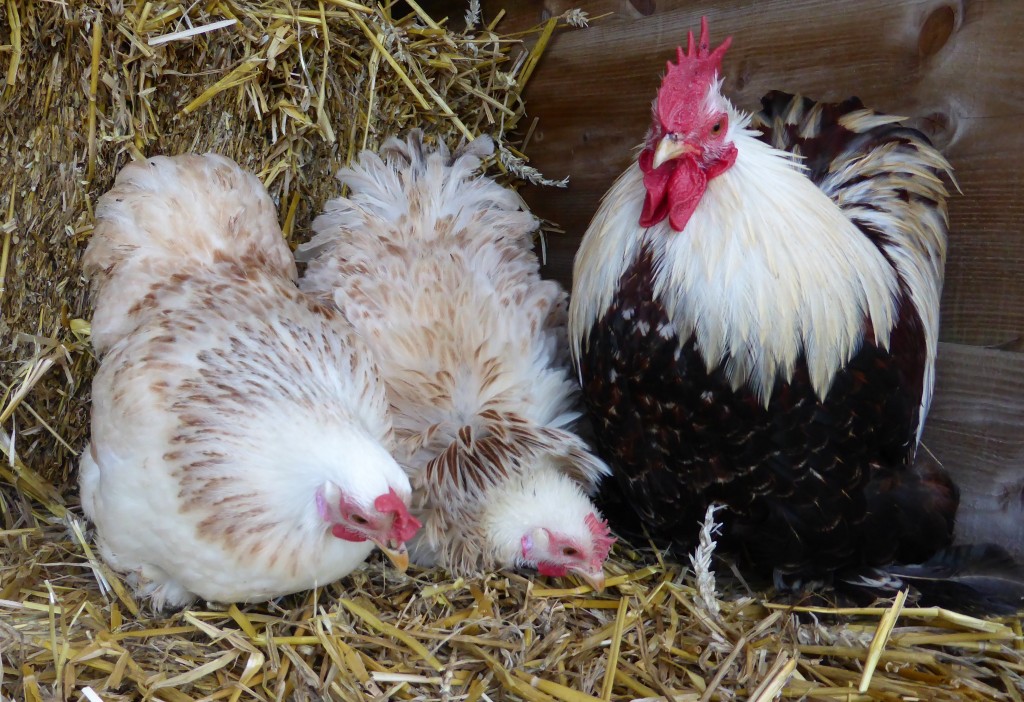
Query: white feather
[795,273]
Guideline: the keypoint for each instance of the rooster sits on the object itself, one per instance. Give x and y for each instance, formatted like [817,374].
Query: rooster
[240,437]
[433,264]
[754,320]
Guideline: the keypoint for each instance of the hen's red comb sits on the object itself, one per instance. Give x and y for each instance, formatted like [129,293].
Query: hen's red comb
[603,539]
[687,81]
[405,525]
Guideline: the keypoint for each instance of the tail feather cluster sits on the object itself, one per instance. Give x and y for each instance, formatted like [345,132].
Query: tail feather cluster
[166,214]
[887,178]
[406,181]
[981,579]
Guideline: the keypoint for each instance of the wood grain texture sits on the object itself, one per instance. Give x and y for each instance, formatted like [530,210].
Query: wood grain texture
[976,429]
[955,68]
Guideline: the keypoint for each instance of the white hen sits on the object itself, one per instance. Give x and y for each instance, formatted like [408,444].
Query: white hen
[236,423]
[433,265]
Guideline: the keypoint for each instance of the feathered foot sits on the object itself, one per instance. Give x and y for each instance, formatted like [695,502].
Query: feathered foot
[165,595]
[804,589]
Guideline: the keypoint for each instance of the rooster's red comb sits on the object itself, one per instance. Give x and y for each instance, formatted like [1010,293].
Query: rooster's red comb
[405,525]
[603,538]
[687,81]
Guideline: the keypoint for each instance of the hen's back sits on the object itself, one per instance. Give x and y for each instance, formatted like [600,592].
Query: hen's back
[434,265]
[165,214]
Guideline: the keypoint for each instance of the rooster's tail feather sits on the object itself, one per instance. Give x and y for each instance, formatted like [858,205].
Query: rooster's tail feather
[981,579]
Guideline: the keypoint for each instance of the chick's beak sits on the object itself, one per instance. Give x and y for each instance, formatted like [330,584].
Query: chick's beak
[593,578]
[397,553]
[670,147]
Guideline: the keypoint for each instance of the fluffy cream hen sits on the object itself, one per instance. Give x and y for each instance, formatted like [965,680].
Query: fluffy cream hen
[240,438]
[433,264]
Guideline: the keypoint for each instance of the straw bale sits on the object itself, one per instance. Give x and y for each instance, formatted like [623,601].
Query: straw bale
[292,91]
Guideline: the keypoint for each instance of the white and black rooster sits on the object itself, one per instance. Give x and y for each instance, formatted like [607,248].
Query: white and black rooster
[240,437]
[433,264]
[755,318]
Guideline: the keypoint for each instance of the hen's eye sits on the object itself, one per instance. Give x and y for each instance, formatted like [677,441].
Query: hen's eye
[716,127]
[569,551]
[359,519]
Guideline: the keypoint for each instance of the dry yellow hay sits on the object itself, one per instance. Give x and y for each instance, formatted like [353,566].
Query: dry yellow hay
[292,91]
[67,624]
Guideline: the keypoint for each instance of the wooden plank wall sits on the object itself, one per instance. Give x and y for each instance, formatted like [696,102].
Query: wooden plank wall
[956,68]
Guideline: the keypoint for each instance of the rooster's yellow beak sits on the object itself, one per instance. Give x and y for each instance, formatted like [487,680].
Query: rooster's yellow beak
[671,147]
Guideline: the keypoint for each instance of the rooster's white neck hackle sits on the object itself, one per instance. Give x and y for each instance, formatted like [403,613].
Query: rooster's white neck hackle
[768,268]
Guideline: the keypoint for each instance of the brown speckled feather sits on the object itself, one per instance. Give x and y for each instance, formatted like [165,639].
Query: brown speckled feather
[434,264]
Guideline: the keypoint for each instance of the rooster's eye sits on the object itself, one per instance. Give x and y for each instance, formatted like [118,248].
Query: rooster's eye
[569,551]
[359,519]
[716,128]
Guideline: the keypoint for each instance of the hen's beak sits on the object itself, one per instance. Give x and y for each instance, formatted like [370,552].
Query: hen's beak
[397,553]
[671,147]
[593,578]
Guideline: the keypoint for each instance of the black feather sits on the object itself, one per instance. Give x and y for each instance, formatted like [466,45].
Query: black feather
[982,578]
[979,579]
